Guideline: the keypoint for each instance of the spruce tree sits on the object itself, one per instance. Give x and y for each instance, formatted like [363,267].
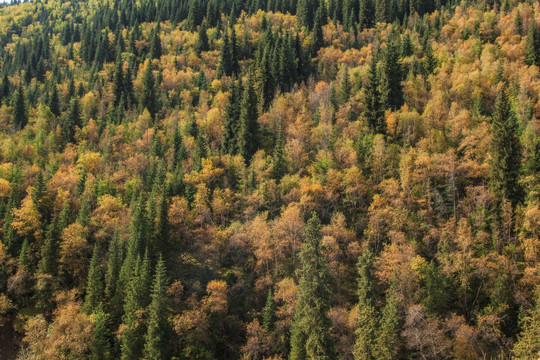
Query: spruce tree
[155,43]
[367,318]
[374,113]
[70,122]
[202,41]
[232,118]
[155,347]
[118,81]
[344,86]
[532,45]
[279,163]
[391,77]
[505,151]
[269,312]
[101,347]
[387,341]
[266,80]
[149,98]
[19,118]
[54,101]
[225,66]
[48,263]
[381,11]
[248,133]
[94,284]
[310,331]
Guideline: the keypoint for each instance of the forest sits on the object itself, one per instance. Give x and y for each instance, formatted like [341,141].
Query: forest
[269,179]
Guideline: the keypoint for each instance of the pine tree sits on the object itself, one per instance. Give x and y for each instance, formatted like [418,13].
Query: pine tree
[532,46]
[225,66]
[48,263]
[202,41]
[381,11]
[367,318]
[386,343]
[101,347]
[374,112]
[391,77]
[505,150]
[248,133]
[310,331]
[19,118]
[118,81]
[155,47]
[54,101]
[156,343]
[149,98]
[279,163]
[269,312]
[344,86]
[232,118]
[94,284]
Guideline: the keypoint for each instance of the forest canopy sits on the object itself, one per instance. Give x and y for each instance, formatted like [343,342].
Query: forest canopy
[270,179]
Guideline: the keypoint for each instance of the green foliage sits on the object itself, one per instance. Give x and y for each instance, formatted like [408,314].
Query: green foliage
[310,331]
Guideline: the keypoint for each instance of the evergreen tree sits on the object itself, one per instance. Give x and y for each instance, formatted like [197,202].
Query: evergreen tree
[94,284]
[532,45]
[386,343]
[149,98]
[156,337]
[269,313]
[70,122]
[225,66]
[374,112]
[54,101]
[429,61]
[155,44]
[114,261]
[505,150]
[248,133]
[101,347]
[48,263]
[381,11]
[279,163]
[19,118]
[367,319]
[232,118]
[118,81]
[391,77]
[310,331]
[266,80]
[365,14]
[344,86]
[202,41]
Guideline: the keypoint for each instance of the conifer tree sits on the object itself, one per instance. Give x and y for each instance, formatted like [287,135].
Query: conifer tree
[232,118]
[279,164]
[94,284]
[310,331]
[202,41]
[365,14]
[391,77]
[155,347]
[505,150]
[532,45]
[54,101]
[155,44]
[225,66]
[248,133]
[367,319]
[345,86]
[269,313]
[149,98]
[118,81]
[48,263]
[19,118]
[381,11]
[266,81]
[114,261]
[374,112]
[386,343]
[101,347]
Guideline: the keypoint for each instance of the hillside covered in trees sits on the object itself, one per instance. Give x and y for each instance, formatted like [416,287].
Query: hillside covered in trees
[270,179]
